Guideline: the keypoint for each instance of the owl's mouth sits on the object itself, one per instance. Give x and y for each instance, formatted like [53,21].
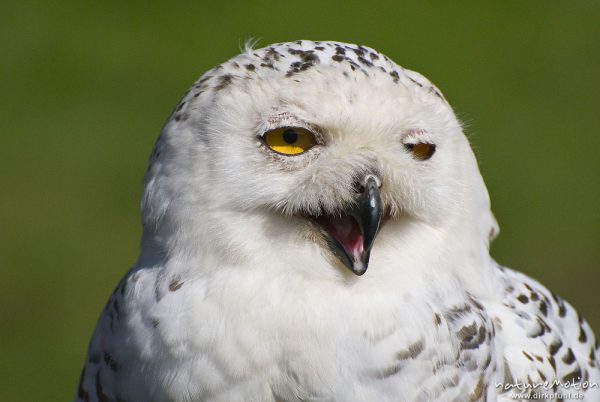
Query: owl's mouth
[351,234]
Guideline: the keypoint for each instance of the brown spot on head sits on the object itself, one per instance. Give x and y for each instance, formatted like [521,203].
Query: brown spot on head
[224,82]
[175,285]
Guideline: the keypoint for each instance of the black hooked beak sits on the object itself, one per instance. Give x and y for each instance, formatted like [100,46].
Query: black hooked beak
[351,236]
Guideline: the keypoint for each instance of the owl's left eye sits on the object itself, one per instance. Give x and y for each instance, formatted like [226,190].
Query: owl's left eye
[421,151]
[290,140]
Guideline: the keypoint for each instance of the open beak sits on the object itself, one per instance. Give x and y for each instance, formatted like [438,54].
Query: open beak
[351,235]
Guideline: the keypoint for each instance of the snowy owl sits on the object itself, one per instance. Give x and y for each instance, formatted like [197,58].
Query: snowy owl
[315,228]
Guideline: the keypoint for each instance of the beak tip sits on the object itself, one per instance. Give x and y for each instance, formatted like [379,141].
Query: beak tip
[359,267]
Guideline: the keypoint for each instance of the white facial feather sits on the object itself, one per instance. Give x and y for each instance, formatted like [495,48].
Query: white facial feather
[361,104]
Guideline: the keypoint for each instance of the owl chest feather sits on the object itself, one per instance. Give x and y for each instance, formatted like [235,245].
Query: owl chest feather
[274,340]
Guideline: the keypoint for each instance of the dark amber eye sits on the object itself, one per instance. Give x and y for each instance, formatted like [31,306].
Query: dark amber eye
[421,151]
[290,140]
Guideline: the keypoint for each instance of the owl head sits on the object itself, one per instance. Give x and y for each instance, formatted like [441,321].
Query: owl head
[324,146]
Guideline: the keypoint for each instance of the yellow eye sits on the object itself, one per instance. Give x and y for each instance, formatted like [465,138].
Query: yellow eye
[290,140]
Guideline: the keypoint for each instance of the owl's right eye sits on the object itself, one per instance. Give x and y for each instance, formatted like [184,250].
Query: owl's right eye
[290,140]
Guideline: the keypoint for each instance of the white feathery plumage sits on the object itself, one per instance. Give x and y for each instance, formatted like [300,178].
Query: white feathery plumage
[280,177]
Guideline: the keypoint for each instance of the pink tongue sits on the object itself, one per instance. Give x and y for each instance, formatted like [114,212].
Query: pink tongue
[345,230]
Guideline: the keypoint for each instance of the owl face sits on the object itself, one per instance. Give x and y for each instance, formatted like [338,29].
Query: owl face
[339,142]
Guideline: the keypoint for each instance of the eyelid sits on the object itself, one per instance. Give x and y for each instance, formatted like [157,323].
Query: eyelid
[288,120]
[417,136]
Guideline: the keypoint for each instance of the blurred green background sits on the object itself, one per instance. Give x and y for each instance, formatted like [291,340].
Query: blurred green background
[86,86]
